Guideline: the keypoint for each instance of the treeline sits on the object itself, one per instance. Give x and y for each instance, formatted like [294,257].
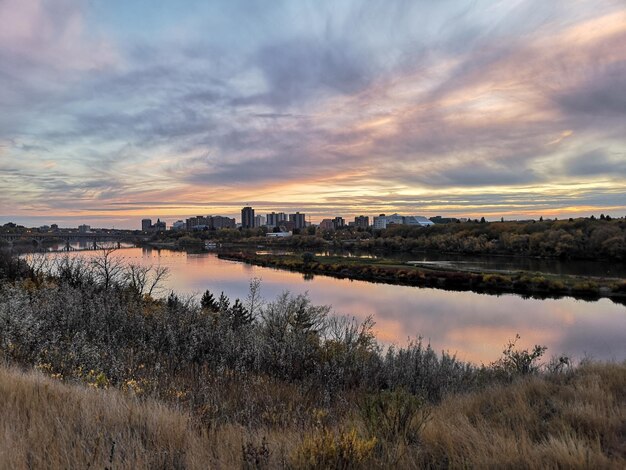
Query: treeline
[583,238]
[574,239]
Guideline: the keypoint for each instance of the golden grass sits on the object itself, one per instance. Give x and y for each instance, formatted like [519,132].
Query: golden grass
[575,420]
[47,424]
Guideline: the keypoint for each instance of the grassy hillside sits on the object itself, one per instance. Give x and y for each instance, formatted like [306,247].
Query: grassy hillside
[48,424]
[575,420]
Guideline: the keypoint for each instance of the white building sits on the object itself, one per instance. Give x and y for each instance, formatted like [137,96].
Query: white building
[383,220]
[278,234]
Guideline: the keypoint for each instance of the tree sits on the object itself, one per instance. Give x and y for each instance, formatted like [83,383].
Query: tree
[108,269]
[239,315]
[173,301]
[308,257]
[223,303]
[254,301]
[208,301]
[145,279]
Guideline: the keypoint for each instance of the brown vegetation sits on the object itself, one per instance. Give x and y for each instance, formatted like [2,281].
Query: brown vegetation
[573,420]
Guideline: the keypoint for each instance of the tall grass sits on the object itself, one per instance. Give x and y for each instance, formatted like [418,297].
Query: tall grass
[574,420]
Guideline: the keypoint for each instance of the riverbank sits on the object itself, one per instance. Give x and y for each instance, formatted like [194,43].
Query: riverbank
[179,382]
[394,272]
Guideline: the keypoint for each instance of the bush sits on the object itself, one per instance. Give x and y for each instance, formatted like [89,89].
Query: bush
[394,416]
[308,257]
[341,450]
[519,362]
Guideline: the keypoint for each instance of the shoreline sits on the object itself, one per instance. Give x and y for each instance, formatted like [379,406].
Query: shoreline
[524,283]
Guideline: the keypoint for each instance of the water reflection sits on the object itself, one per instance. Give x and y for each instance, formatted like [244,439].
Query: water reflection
[501,263]
[83,245]
[475,326]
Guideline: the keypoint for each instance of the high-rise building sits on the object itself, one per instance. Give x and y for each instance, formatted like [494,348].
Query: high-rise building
[159,226]
[362,221]
[146,224]
[338,222]
[219,222]
[198,222]
[259,220]
[275,218]
[298,219]
[247,217]
[327,224]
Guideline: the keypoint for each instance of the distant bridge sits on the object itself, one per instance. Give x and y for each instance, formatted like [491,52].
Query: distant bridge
[38,238]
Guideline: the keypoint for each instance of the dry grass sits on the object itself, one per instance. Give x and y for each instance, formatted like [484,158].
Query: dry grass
[47,424]
[575,420]
[569,421]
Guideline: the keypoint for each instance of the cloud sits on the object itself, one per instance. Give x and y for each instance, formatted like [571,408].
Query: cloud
[301,69]
[600,95]
[45,49]
[597,162]
[36,36]
[334,103]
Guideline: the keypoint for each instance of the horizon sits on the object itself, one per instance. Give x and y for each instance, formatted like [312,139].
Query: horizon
[347,220]
[115,112]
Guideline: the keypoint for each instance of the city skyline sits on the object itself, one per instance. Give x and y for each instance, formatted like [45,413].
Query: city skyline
[115,112]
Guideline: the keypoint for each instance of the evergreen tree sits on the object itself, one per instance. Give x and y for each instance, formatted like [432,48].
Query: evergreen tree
[239,315]
[208,301]
[173,301]
[223,303]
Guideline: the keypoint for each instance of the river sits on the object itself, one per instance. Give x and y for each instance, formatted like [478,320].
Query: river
[473,326]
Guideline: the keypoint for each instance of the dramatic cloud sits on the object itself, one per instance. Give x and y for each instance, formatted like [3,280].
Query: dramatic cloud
[116,111]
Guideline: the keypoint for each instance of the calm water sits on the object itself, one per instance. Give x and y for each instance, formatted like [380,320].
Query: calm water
[615,269]
[475,326]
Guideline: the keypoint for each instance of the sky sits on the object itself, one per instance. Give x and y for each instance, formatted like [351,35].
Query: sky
[111,111]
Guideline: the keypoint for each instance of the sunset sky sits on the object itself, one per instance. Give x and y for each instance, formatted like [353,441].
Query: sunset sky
[114,110]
